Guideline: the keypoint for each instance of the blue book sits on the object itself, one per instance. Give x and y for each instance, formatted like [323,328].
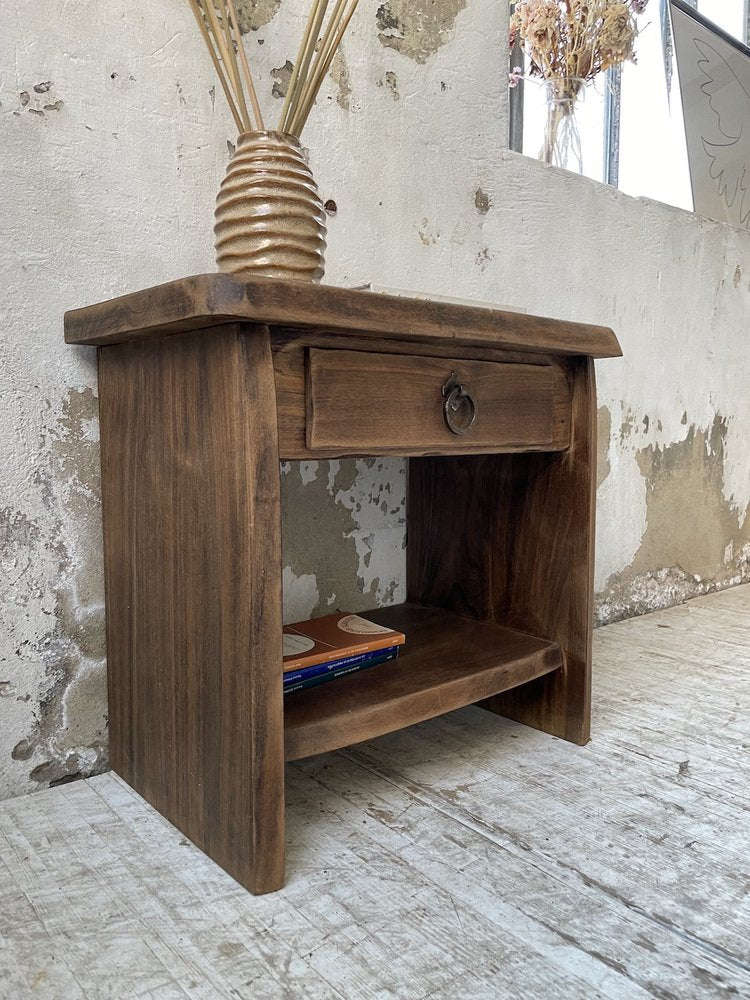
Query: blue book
[305,673]
[381,656]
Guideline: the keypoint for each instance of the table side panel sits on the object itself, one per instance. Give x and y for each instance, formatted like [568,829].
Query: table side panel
[553,516]
[190,490]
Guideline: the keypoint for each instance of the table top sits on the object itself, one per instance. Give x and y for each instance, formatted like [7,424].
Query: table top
[206,300]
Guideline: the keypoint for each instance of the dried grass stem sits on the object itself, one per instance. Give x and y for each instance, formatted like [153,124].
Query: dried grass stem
[219,27]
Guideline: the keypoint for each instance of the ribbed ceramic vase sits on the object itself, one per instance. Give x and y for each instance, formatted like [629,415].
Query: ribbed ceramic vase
[270,221]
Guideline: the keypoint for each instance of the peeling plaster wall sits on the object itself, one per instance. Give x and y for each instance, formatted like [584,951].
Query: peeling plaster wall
[674,412]
[114,141]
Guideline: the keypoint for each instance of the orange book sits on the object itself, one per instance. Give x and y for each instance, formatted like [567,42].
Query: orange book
[334,637]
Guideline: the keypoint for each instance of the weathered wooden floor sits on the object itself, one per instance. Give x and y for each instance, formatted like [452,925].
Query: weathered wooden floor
[467,857]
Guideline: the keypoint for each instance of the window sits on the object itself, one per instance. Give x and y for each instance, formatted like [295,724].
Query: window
[631,126]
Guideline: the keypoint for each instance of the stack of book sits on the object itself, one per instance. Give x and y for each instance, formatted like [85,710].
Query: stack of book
[323,649]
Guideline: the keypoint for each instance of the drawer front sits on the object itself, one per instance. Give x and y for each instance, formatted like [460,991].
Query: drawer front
[380,404]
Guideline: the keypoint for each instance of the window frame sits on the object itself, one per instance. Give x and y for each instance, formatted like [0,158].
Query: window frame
[612,100]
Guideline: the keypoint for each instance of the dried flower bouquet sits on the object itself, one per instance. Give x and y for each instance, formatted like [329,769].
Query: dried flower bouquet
[569,42]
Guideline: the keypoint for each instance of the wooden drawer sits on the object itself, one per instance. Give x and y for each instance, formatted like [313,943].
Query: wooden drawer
[378,404]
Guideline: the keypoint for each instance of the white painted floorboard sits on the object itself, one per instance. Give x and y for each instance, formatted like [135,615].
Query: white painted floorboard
[467,857]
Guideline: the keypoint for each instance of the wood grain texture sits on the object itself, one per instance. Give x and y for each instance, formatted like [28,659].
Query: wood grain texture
[193,425]
[208,300]
[366,403]
[190,492]
[447,662]
[290,349]
[510,539]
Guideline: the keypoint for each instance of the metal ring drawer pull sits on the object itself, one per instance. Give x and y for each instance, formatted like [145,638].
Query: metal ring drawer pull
[458,400]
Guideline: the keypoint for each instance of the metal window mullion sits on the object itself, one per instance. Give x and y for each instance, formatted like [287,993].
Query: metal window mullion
[612,107]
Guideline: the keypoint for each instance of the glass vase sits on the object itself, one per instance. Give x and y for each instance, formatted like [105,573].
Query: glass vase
[561,145]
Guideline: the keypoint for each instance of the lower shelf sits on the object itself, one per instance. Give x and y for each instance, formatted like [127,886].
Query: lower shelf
[446,663]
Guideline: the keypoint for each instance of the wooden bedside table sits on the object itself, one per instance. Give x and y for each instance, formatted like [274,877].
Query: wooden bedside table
[205,384]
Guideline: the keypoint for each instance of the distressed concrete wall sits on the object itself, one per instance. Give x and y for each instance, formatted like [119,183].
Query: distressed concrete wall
[674,417]
[114,141]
